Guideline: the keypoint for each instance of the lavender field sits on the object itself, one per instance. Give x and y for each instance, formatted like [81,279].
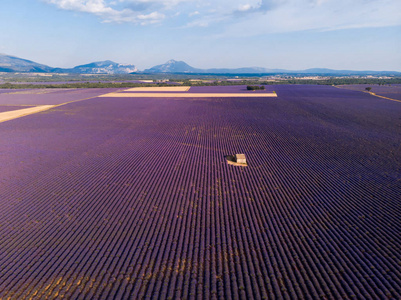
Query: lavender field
[228,89]
[4,108]
[119,198]
[48,96]
[391,90]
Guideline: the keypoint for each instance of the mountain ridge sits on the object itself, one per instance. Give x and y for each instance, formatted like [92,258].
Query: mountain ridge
[100,67]
[9,63]
[172,66]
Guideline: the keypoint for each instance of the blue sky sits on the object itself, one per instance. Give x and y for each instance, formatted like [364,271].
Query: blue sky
[290,34]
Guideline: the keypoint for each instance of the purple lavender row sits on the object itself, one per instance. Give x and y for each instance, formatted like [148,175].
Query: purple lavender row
[49,97]
[5,108]
[390,90]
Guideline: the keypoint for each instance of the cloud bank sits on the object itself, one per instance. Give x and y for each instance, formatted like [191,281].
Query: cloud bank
[105,11]
[244,17]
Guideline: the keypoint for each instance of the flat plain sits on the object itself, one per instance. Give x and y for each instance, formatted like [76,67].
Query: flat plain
[133,198]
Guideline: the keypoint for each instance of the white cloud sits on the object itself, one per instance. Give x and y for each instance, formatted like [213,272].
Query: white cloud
[104,10]
[195,13]
[320,2]
[164,5]
[275,16]
[245,17]
[198,23]
[245,7]
[91,6]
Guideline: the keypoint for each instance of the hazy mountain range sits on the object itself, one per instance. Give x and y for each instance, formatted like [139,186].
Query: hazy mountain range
[14,64]
[173,66]
[101,67]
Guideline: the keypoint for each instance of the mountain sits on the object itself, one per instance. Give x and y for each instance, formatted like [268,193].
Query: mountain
[249,70]
[100,67]
[10,63]
[173,66]
[324,71]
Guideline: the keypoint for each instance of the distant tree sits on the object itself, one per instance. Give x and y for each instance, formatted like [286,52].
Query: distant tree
[255,87]
[368,88]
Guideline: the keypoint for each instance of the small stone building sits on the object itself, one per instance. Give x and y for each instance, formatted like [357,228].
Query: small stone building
[240,158]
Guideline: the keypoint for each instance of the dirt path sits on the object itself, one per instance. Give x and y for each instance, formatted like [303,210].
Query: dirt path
[10,115]
[371,93]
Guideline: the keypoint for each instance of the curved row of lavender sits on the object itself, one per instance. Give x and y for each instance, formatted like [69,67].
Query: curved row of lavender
[5,108]
[50,96]
[390,90]
[5,91]
[118,198]
[77,81]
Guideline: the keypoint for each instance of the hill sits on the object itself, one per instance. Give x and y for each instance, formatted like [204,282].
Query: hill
[10,63]
[101,67]
[173,66]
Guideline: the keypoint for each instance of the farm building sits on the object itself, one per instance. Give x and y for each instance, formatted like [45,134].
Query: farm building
[240,158]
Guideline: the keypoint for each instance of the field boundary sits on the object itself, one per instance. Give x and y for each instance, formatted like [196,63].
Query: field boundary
[14,114]
[187,95]
[373,94]
[159,89]
[370,93]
